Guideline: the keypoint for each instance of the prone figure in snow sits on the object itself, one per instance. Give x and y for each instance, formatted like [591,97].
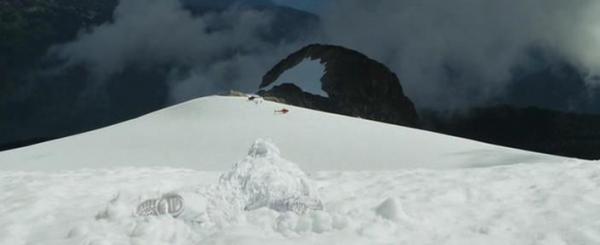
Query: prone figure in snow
[261,180]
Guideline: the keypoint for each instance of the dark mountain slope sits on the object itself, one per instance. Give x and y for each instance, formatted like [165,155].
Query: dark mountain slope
[535,129]
[355,84]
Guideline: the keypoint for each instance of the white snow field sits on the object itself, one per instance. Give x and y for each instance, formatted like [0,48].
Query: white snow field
[321,179]
[211,133]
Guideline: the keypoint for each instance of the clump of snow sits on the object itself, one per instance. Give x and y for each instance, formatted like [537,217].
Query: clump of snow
[264,179]
[391,209]
[262,149]
[322,221]
[115,210]
[317,221]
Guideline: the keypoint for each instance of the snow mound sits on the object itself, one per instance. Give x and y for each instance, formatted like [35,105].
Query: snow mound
[264,179]
[391,209]
[262,193]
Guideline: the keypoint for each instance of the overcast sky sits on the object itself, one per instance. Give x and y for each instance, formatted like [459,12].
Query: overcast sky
[447,54]
[308,5]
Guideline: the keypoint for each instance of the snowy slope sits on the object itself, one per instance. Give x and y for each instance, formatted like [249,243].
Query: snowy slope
[435,190]
[211,133]
[525,204]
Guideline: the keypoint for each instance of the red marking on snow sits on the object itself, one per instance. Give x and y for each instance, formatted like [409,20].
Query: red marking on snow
[282,111]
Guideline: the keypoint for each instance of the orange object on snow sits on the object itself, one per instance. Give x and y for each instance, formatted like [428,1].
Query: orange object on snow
[282,111]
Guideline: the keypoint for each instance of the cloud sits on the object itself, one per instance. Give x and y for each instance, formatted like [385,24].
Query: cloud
[241,72]
[448,54]
[307,5]
[211,52]
[456,53]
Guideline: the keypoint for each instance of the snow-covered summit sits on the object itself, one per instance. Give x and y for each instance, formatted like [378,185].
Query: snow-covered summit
[210,132]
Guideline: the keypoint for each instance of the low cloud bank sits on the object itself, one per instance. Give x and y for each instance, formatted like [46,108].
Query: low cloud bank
[448,54]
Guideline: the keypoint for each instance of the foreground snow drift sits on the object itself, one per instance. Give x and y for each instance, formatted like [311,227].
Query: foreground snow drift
[264,179]
[212,132]
[514,204]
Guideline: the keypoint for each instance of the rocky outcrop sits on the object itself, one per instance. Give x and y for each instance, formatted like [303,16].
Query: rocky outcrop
[355,84]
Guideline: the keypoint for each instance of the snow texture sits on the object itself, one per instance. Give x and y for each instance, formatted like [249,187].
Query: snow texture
[435,189]
[212,132]
[515,204]
[264,179]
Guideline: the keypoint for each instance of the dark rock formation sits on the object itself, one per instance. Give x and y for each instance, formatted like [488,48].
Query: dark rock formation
[355,84]
[534,129]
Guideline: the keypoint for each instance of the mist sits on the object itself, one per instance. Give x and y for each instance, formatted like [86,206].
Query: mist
[450,54]
[216,51]
[447,54]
